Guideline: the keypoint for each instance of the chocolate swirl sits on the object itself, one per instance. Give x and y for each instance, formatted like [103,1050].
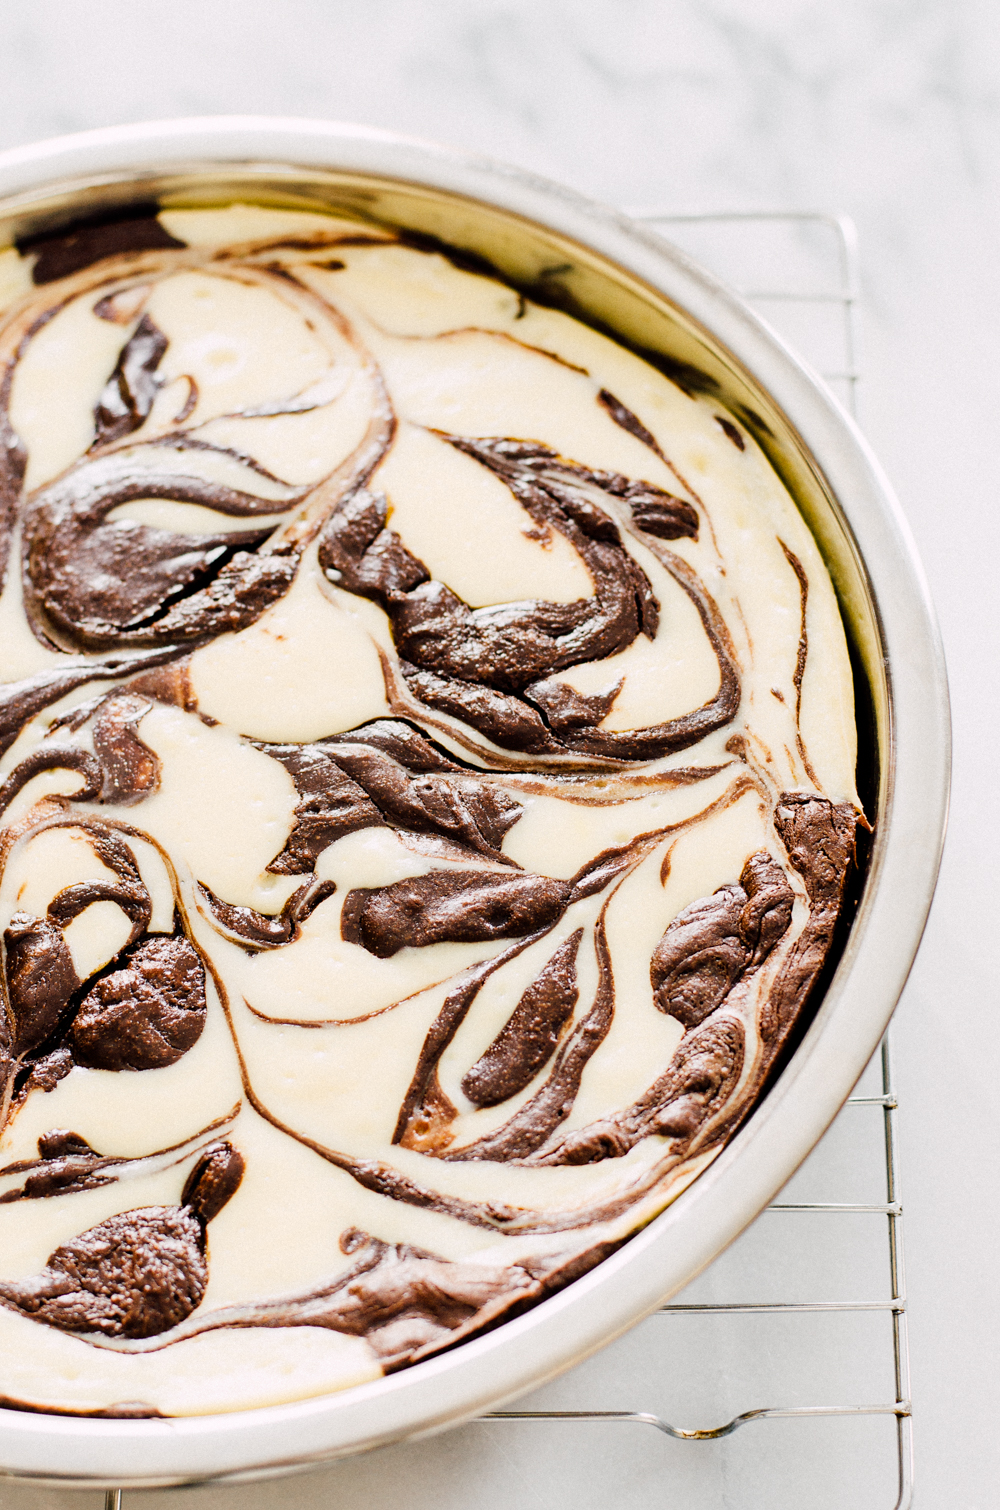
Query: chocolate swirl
[468,906]
[528,1038]
[127,399]
[496,668]
[258,930]
[386,774]
[92,582]
[144,1010]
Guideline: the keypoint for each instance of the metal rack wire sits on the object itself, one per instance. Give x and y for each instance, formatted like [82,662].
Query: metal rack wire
[808,291]
[895,1306]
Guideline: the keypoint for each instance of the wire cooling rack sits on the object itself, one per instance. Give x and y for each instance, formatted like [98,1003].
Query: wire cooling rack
[812,1391]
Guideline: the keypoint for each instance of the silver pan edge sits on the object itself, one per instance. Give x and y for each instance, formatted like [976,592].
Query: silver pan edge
[624,277]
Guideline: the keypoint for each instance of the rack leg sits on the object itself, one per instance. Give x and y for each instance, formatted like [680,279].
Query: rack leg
[113,1500]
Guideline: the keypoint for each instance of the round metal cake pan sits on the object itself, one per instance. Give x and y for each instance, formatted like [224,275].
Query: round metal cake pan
[630,282]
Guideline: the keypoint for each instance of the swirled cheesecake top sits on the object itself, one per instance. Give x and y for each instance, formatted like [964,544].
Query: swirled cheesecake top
[427,799]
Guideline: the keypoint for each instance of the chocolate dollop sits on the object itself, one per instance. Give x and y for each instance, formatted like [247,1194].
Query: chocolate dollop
[147,1012]
[450,906]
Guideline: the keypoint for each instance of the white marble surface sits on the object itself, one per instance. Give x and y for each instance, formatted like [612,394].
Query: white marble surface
[886,109]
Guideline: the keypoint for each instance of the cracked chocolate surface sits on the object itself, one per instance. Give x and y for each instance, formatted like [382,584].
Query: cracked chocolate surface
[426,804]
